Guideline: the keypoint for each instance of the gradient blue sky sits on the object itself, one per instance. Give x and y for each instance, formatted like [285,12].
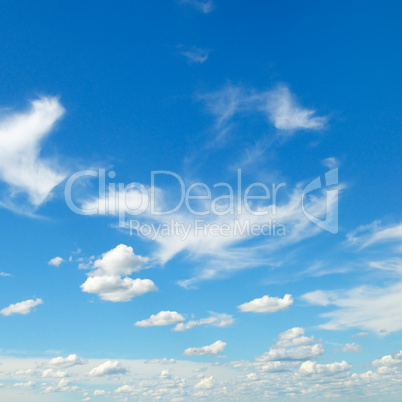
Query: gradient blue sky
[196,87]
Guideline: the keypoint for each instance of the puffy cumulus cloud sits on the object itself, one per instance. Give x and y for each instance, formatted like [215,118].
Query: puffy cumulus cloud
[100,392]
[117,289]
[161,319]
[56,261]
[164,374]
[28,384]
[378,309]
[292,345]
[120,261]
[107,275]
[108,368]
[69,361]
[125,389]
[216,320]
[21,166]
[54,373]
[389,360]
[23,307]
[311,367]
[267,304]
[212,349]
[205,6]
[352,347]
[205,383]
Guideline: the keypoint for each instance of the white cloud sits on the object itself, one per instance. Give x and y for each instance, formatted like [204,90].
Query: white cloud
[116,289]
[160,319]
[106,280]
[267,304]
[352,347]
[285,114]
[311,367]
[56,261]
[360,335]
[69,361]
[205,6]
[119,261]
[205,383]
[278,105]
[195,55]
[54,373]
[331,162]
[125,389]
[216,320]
[367,235]
[212,349]
[28,384]
[108,368]
[23,307]
[21,166]
[378,309]
[4,274]
[389,360]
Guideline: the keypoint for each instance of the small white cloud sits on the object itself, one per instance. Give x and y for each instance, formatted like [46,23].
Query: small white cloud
[205,383]
[4,274]
[212,349]
[331,162]
[216,320]
[125,389]
[69,361]
[28,384]
[311,367]
[116,289]
[119,261]
[195,55]
[285,114]
[360,335]
[267,304]
[389,360]
[56,261]
[205,6]
[352,347]
[21,167]
[161,319]
[108,368]
[23,307]
[54,373]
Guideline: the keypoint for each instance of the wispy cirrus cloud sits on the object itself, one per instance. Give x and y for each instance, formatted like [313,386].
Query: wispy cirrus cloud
[205,6]
[194,55]
[378,309]
[21,165]
[279,106]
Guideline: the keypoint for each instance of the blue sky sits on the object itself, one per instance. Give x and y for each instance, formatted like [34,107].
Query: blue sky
[279,93]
